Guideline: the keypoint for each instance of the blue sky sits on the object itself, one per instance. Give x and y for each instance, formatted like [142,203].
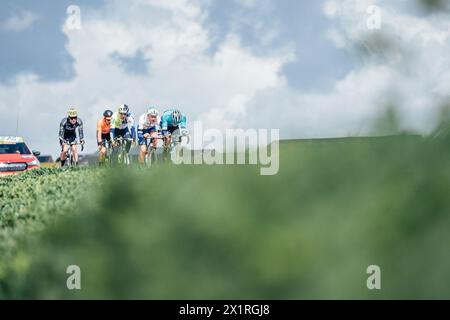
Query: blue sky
[40,48]
[282,64]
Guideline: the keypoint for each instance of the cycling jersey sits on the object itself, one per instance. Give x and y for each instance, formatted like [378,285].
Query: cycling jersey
[145,124]
[103,126]
[166,121]
[67,130]
[119,125]
[144,127]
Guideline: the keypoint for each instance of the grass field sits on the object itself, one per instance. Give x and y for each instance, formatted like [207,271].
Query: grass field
[220,232]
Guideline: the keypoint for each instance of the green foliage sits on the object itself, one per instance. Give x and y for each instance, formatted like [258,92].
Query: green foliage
[30,201]
[222,232]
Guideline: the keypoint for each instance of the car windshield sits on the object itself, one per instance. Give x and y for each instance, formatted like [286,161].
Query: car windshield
[16,148]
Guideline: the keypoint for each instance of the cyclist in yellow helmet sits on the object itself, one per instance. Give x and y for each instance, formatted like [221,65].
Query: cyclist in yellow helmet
[68,135]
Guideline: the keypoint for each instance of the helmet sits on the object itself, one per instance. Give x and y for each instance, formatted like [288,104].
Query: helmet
[176,116]
[72,113]
[152,112]
[107,113]
[123,109]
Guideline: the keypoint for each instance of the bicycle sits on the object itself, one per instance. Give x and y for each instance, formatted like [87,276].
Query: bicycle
[109,152]
[121,146]
[151,156]
[174,147]
[69,153]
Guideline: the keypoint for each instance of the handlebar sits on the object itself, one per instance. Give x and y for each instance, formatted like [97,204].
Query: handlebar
[155,138]
[123,139]
[73,143]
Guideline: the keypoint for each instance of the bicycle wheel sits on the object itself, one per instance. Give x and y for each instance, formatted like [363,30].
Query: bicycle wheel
[154,156]
[109,155]
[151,158]
[69,159]
[126,158]
[175,153]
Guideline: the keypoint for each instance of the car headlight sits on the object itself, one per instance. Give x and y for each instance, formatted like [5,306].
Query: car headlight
[33,163]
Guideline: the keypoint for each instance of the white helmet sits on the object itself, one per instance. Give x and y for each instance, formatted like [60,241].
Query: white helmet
[152,112]
[123,109]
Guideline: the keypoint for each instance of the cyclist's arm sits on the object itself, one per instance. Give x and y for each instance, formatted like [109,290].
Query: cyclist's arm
[113,133]
[62,129]
[113,125]
[164,125]
[99,132]
[183,122]
[140,129]
[80,129]
[133,132]
[132,126]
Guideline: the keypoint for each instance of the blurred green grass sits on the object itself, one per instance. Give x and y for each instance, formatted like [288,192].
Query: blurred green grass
[225,232]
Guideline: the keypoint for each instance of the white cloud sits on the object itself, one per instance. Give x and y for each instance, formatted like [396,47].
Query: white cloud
[174,39]
[19,22]
[330,8]
[412,72]
[413,48]
[234,87]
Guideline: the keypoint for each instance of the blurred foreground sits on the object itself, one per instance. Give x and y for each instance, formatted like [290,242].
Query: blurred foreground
[225,232]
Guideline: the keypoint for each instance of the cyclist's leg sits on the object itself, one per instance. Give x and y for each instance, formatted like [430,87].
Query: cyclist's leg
[102,152]
[154,135]
[168,140]
[63,155]
[108,147]
[65,147]
[142,153]
[75,154]
[127,136]
[116,147]
[142,141]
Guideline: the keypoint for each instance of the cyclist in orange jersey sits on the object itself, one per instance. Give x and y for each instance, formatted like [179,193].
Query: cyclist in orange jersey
[103,135]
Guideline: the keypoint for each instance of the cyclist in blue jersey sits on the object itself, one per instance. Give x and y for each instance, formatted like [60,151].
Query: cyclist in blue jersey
[172,120]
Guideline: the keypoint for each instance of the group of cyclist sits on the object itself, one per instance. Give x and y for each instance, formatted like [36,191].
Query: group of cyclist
[121,124]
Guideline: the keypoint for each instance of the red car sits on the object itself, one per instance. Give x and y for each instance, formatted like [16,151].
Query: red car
[15,156]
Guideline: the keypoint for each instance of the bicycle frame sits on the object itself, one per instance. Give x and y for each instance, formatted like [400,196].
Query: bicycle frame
[151,156]
[69,152]
[109,151]
[122,155]
[176,141]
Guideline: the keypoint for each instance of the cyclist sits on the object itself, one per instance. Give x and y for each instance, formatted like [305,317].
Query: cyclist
[68,135]
[172,120]
[147,128]
[122,125]
[103,134]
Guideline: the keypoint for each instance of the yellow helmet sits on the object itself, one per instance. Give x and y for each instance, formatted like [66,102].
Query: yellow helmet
[72,112]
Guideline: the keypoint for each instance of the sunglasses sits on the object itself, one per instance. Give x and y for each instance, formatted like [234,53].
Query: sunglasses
[108,119]
[73,118]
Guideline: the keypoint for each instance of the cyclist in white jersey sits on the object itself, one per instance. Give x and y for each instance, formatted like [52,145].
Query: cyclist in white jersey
[147,128]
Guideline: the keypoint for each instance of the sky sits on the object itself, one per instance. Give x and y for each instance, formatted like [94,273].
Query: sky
[309,68]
